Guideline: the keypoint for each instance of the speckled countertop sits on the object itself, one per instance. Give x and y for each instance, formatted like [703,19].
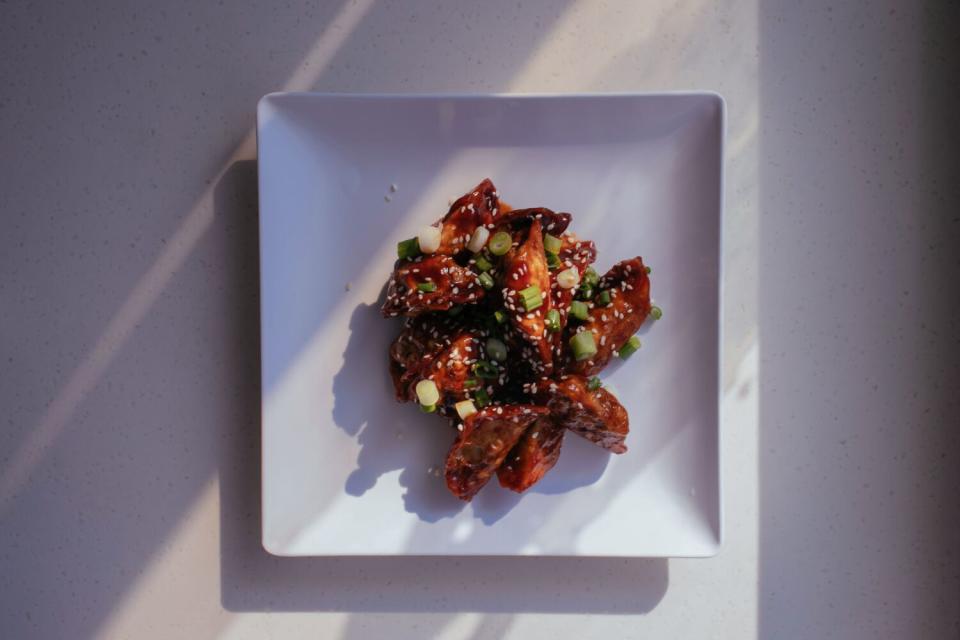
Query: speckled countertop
[128,327]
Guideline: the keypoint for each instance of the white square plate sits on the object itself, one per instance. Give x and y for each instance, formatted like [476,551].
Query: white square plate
[347,470]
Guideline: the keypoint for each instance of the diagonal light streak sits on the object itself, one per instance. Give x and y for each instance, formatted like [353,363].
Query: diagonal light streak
[151,284]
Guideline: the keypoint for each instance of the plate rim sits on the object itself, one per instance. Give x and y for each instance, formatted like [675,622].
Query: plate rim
[265,103]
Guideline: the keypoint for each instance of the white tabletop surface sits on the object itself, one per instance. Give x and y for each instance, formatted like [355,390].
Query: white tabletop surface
[129,456]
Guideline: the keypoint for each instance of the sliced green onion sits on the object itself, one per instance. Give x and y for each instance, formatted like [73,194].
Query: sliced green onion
[427,287]
[594,383]
[629,347]
[586,291]
[428,408]
[553,320]
[500,243]
[500,316]
[553,261]
[568,278]
[484,369]
[604,298]
[531,297]
[483,264]
[427,392]
[486,280]
[429,239]
[470,383]
[579,310]
[496,349]
[583,346]
[465,409]
[552,244]
[481,397]
[408,249]
[656,312]
[648,269]
[590,277]
[478,239]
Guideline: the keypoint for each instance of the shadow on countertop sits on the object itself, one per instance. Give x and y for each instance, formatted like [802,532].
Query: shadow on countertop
[253,580]
[859,446]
